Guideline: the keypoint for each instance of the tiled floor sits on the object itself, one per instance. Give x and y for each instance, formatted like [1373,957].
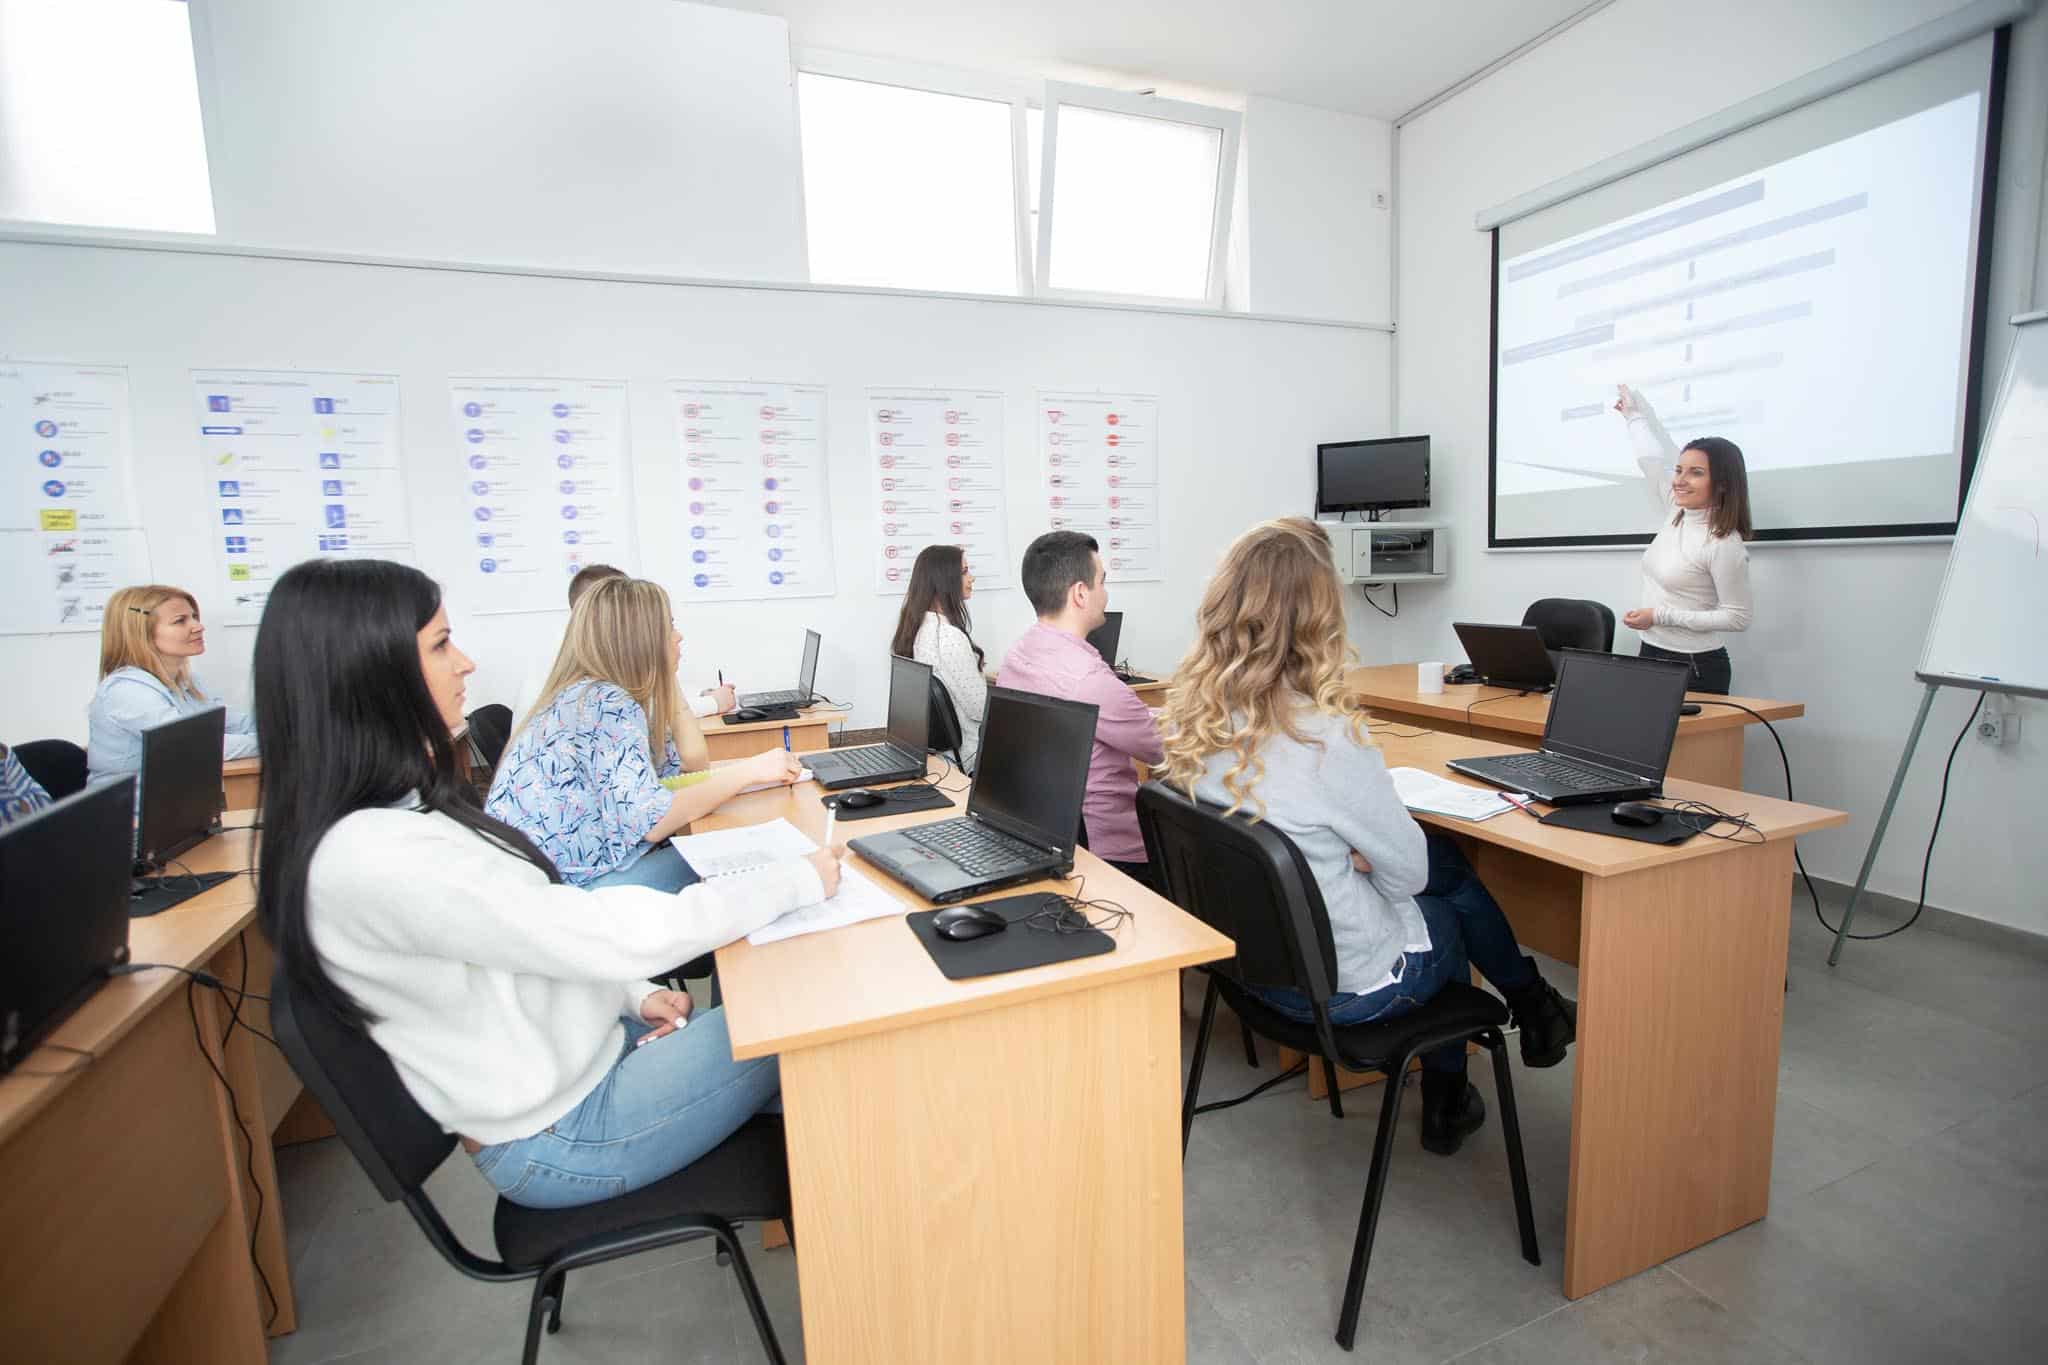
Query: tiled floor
[1909,1217]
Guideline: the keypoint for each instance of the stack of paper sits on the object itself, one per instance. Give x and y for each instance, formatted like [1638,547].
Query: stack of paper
[735,852]
[1426,791]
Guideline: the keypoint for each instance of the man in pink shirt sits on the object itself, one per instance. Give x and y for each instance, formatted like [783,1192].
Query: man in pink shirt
[1063,577]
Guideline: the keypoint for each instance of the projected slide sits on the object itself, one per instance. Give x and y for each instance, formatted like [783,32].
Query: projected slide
[1816,312]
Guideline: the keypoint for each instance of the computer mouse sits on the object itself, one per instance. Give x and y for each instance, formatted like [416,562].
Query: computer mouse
[963,922]
[1691,708]
[858,799]
[750,713]
[1641,814]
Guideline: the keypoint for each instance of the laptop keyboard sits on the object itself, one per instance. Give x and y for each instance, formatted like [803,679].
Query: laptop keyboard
[788,697]
[976,849]
[871,759]
[1551,772]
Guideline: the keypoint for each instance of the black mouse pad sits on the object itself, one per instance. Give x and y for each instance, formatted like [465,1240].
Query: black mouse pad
[895,801]
[174,888]
[1598,818]
[1014,948]
[767,713]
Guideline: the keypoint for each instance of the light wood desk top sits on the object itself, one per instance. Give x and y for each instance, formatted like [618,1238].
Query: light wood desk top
[874,976]
[1594,854]
[1392,686]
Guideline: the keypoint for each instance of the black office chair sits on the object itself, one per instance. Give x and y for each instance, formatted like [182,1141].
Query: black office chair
[946,736]
[1572,623]
[57,765]
[743,1179]
[1248,880]
[490,729]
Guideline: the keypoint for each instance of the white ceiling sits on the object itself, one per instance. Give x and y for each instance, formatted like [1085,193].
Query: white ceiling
[1376,57]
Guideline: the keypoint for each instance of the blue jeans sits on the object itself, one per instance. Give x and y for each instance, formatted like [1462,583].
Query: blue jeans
[660,867]
[660,1108]
[1466,929]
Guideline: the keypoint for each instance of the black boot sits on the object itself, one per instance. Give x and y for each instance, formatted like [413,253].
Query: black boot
[1548,1022]
[1451,1109]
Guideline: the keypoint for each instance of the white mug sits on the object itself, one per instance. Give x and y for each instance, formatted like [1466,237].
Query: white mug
[1429,676]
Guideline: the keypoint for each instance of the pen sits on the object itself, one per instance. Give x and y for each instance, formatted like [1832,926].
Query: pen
[721,677]
[831,818]
[1521,806]
[785,739]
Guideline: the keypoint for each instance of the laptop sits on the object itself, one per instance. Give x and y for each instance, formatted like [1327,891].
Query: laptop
[1023,812]
[903,755]
[181,785]
[1508,656]
[1612,721]
[63,910]
[1106,637]
[801,694]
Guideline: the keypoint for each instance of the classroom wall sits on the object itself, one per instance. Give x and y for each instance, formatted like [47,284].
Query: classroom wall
[1242,403]
[1838,627]
[1320,246]
[628,135]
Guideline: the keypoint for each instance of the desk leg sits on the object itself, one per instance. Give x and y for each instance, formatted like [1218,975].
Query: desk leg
[1001,1186]
[1681,1006]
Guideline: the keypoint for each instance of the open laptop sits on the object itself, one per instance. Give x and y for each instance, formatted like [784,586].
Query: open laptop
[1612,721]
[801,694]
[903,754]
[1508,656]
[179,809]
[1023,812]
[63,910]
[1106,638]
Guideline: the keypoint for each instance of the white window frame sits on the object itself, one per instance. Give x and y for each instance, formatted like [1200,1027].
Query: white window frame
[1225,121]
[941,80]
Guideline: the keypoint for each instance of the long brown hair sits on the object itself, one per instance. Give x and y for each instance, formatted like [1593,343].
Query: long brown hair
[1269,644]
[1728,478]
[618,633]
[936,584]
[128,636]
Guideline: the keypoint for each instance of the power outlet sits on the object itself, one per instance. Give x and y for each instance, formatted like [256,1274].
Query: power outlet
[1999,722]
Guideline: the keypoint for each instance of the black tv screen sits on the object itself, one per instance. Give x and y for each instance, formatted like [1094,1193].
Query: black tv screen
[1372,476]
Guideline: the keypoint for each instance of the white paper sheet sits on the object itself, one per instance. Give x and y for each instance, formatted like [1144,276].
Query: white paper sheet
[1421,790]
[735,852]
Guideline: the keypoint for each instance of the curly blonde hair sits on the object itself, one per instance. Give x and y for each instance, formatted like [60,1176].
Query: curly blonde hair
[1269,644]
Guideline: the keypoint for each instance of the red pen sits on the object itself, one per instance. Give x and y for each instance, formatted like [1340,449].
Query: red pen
[1521,806]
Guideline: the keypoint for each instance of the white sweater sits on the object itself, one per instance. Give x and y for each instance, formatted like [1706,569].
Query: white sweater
[497,995]
[1697,583]
[950,653]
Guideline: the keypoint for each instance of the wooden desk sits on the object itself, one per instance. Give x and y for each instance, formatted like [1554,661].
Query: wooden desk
[1681,957]
[984,1170]
[1708,747]
[241,777]
[126,1199]
[1151,693]
[809,732]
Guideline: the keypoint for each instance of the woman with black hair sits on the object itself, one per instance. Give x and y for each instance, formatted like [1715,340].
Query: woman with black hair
[517,1013]
[933,628]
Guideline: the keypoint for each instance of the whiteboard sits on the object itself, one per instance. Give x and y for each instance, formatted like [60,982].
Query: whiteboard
[1986,632]
[1244,400]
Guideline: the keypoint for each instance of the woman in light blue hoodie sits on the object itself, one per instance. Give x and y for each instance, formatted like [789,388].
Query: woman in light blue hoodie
[148,639]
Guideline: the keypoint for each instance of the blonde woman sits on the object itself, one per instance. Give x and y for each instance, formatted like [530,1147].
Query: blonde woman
[148,639]
[580,776]
[1260,721]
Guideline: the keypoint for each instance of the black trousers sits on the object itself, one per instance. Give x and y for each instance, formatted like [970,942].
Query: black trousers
[1711,671]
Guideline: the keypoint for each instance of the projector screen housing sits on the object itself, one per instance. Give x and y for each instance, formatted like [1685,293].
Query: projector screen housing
[1811,287]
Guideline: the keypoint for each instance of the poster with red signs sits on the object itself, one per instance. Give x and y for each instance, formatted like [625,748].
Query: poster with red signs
[1100,456]
[935,457]
[756,506]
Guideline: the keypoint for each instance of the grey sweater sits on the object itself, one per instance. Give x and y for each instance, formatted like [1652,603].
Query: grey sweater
[1331,800]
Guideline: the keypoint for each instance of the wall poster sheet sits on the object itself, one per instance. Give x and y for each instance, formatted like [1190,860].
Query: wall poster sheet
[936,460]
[296,465]
[68,529]
[547,480]
[1100,456]
[757,508]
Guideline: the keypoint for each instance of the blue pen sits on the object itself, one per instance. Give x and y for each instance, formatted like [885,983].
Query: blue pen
[785,739]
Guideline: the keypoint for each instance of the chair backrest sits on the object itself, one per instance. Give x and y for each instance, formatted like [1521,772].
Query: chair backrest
[351,1078]
[1248,881]
[945,721]
[57,765]
[1572,623]
[491,727]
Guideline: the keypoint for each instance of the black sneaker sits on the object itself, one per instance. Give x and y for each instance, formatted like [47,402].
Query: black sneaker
[1549,1023]
[1451,1111]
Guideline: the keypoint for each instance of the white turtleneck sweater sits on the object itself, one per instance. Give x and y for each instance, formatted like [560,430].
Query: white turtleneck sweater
[1696,582]
[496,994]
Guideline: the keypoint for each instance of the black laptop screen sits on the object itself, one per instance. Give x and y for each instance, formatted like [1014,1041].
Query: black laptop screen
[1034,766]
[807,679]
[1107,636]
[1616,711]
[181,783]
[910,705]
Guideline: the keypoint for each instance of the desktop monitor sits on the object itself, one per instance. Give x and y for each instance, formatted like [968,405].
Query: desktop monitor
[1107,636]
[1372,476]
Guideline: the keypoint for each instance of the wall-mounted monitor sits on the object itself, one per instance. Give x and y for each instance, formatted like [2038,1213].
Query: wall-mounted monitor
[1372,476]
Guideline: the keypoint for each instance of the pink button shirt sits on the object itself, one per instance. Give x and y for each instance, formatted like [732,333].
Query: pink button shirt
[1055,664]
